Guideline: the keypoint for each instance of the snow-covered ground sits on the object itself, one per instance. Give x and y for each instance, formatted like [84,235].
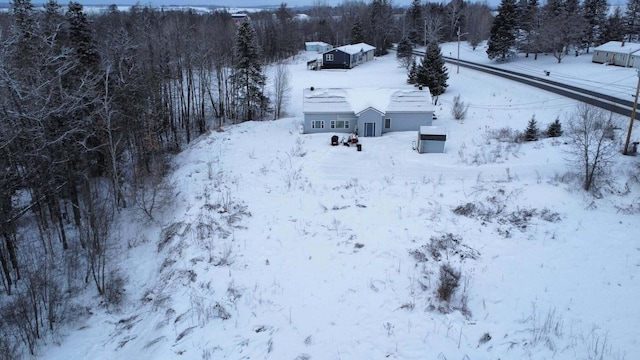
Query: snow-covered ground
[277,245]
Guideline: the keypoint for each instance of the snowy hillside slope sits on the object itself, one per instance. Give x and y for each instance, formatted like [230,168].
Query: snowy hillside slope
[278,246]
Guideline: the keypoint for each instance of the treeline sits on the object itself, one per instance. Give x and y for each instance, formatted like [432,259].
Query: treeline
[91,106]
[560,27]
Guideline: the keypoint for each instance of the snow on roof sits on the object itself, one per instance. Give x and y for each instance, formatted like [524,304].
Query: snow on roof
[356,48]
[433,130]
[619,47]
[357,100]
[325,100]
[320,43]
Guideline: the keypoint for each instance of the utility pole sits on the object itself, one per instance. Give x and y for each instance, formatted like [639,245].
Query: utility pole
[625,151]
[458,62]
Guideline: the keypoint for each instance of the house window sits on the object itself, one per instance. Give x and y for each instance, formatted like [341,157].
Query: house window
[329,57]
[339,124]
[317,124]
[387,123]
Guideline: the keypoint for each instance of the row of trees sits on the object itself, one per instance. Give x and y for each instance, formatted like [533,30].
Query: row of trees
[90,110]
[559,27]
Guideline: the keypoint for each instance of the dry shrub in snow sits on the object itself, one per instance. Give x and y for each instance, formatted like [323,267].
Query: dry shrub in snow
[505,134]
[459,109]
[449,281]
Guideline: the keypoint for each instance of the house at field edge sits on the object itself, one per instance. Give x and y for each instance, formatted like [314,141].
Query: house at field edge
[239,18]
[317,46]
[347,56]
[366,111]
[617,53]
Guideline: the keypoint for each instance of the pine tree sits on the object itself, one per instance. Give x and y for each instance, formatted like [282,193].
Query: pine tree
[555,129]
[404,52]
[529,23]
[248,75]
[380,12]
[357,34]
[81,36]
[502,38]
[632,19]
[415,22]
[532,133]
[412,75]
[432,72]
[25,29]
[595,13]
[614,27]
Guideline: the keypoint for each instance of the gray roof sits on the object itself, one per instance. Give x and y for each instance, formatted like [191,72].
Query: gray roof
[356,100]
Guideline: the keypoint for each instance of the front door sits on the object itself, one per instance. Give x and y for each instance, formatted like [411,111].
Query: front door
[369,129]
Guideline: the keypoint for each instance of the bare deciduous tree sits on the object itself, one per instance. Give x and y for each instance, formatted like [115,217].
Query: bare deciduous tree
[593,143]
[281,88]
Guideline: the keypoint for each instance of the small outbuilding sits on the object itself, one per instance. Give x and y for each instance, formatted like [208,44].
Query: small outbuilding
[618,53]
[317,46]
[431,139]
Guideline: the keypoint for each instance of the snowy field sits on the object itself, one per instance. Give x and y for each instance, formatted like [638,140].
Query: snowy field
[277,245]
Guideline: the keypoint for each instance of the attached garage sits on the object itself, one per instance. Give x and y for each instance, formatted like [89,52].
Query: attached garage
[431,139]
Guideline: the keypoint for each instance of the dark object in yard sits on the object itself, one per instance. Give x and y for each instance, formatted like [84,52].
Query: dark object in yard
[359,146]
[334,140]
[547,72]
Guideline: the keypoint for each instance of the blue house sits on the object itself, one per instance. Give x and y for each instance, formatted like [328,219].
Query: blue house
[347,56]
[366,111]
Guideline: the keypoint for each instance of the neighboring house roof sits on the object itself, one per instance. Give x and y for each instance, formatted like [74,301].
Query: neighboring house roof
[319,43]
[355,48]
[358,100]
[619,47]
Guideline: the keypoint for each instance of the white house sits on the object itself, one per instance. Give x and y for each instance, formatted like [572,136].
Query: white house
[617,53]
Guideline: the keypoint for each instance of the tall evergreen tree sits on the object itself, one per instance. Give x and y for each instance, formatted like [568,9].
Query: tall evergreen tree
[81,36]
[26,36]
[415,22]
[432,72]
[595,13]
[530,27]
[575,27]
[614,27]
[357,34]
[502,37]
[632,20]
[380,19]
[248,74]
